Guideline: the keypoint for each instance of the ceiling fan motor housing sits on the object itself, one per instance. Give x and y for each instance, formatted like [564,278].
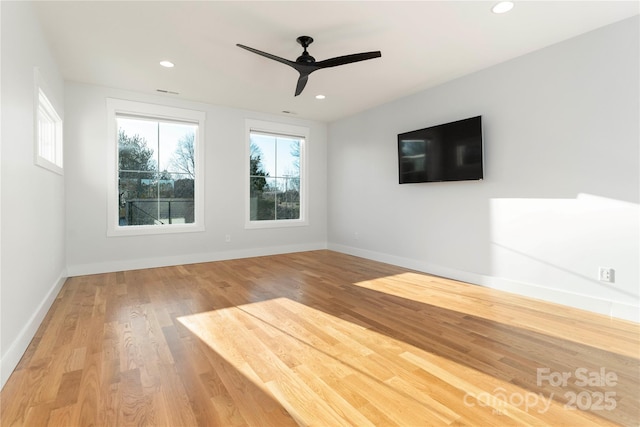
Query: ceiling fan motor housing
[305,58]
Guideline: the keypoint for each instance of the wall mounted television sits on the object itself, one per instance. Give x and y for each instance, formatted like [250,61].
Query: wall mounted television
[447,152]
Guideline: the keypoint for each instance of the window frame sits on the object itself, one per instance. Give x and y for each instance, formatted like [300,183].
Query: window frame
[285,130]
[43,103]
[155,112]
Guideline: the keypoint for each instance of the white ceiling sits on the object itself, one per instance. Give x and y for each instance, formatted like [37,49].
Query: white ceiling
[423,43]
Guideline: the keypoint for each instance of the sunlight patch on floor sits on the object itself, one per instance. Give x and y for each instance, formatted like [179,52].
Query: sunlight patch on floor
[314,363]
[475,301]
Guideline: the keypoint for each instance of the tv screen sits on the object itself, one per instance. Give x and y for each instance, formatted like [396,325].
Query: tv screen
[446,152]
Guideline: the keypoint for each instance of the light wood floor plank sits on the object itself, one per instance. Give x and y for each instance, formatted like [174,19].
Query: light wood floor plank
[320,339]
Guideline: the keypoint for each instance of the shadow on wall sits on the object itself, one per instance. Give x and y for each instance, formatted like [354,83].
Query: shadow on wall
[564,242]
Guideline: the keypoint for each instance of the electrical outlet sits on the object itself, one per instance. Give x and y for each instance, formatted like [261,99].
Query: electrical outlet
[227,238]
[607,275]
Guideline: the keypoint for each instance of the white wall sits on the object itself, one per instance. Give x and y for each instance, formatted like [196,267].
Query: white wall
[89,250]
[561,189]
[33,242]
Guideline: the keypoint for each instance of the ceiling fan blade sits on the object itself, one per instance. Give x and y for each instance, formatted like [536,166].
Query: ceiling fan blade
[347,59]
[302,82]
[268,55]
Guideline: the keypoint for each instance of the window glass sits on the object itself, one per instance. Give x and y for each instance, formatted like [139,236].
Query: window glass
[156,172]
[48,134]
[275,177]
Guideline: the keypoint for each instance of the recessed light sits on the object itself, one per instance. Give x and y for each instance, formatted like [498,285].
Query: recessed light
[320,97]
[167,64]
[502,7]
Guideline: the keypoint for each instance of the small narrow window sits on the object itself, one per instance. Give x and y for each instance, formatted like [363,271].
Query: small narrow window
[48,131]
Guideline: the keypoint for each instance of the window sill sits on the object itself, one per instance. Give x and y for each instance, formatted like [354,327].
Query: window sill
[50,166]
[283,223]
[146,230]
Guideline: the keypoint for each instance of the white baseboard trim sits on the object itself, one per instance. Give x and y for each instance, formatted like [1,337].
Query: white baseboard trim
[138,264]
[609,308]
[17,348]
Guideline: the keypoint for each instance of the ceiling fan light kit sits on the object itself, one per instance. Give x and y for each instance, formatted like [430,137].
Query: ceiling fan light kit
[306,64]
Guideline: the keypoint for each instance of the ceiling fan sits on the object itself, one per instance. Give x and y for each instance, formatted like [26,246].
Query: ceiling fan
[306,64]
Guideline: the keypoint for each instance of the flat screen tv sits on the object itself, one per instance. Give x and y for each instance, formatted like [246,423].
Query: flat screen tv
[446,152]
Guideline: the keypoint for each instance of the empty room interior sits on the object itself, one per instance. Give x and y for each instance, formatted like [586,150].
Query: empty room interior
[327,213]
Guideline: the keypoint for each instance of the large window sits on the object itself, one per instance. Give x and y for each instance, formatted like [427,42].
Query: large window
[157,170]
[276,183]
[48,129]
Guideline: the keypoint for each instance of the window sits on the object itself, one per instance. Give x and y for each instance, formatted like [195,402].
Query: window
[48,129]
[276,175]
[156,172]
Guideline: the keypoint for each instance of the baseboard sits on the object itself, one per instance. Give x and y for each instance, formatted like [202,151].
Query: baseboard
[138,264]
[16,350]
[609,308]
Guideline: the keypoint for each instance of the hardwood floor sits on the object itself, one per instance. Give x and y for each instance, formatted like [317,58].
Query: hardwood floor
[317,338]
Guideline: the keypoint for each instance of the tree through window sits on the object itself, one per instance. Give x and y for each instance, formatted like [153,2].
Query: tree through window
[155,172]
[276,186]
